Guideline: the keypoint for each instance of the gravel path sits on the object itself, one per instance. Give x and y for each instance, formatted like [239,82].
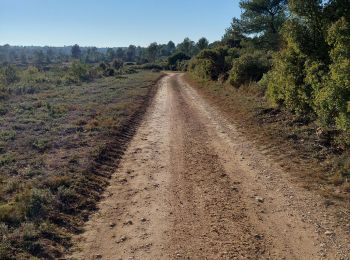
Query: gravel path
[190,186]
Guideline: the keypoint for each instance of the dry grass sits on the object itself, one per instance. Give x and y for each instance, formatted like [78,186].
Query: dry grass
[59,145]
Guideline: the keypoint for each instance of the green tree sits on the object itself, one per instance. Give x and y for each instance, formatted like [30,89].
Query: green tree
[187,46]
[120,54]
[311,18]
[23,58]
[265,19]
[234,34]
[152,51]
[39,57]
[8,75]
[76,52]
[50,54]
[263,16]
[110,54]
[171,47]
[202,44]
[131,53]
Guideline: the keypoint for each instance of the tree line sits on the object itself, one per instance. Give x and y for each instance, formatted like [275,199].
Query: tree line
[47,55]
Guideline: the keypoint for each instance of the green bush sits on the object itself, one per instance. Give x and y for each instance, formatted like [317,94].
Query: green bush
[177,60]
[80,72]
[37,203]
[182,65]
[151,66]
[209,64]
[10,213]
[8,75]
[248,67]
[333,99]
[40,145]
[66,195]
[117,64]
[285,82]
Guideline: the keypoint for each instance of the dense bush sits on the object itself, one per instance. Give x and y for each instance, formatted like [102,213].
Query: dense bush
[248,67]
[332,92]
[8,75]
[117,64]
[182,65]
[305,82]
[176,61]
[151,66]
[210,63]
[81,72]
[286,81]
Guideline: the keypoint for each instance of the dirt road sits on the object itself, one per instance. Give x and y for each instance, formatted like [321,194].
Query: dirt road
[190,186]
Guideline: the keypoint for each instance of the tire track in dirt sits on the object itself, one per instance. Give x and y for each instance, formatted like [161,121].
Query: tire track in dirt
[190,187]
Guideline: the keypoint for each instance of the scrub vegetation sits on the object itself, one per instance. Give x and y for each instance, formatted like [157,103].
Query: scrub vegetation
[62,131]
[295,54]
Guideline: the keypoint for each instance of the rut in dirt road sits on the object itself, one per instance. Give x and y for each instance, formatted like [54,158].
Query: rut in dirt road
[190,187]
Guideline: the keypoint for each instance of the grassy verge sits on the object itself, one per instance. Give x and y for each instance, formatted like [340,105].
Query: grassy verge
[59,144]
[292,141]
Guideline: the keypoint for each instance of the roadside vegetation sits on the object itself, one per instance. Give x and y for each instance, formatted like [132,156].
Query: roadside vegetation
[62,130]
[292,58]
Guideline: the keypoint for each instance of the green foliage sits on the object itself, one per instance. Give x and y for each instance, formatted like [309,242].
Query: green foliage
[38,203]
[8,75]
[248,67]
[263,15]
[175,60]
[76,52]
[10,213]
[182,65]
[333,99]
[80,72]
[110,54]
[234,34]
[152,51]
[202,44]
[286,81]
[117,64]
[40,144]
[187,47]
[210,63]
[131,53]
[311,75]
[263,19]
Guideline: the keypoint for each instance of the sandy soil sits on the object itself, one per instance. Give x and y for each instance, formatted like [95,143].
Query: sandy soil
[190,186]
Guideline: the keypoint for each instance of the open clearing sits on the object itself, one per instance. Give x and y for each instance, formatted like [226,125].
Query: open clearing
[191,186]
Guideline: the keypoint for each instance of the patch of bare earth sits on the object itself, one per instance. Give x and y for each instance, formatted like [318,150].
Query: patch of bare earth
[191,186]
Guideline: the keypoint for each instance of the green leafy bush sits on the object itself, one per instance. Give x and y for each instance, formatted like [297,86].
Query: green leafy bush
[210,63]
[334,98]
[177,60]
[8,75]
[117,64]
[38,203]
[286,84]
[248,67]
[80,72]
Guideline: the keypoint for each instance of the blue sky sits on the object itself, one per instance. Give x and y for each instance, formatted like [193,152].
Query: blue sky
[112,23]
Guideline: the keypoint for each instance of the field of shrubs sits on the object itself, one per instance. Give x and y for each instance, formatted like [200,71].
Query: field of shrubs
[61,130]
